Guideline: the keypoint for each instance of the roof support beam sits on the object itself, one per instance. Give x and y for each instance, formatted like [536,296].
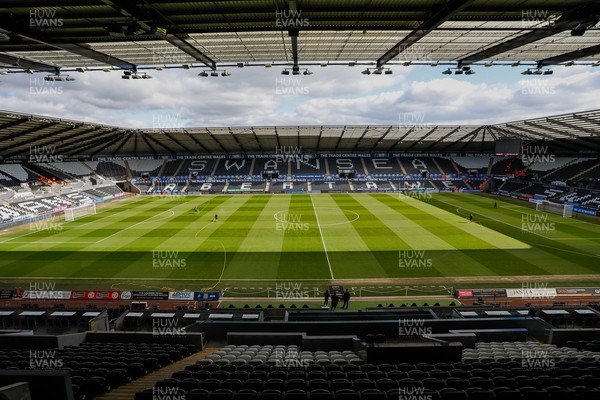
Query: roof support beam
[340,139]
[378,142]
[130,9]
[25,63]
[473,132]
[111,137]
[438,17]
[78,141]
[401,139]
[212,136]
[37,140]
[170,150]
[573,55]
[567,21]
[145,139]
[452,132]
[175,140]
[178,40]
[422,138]
[256,138]
[87,52]
[204,149]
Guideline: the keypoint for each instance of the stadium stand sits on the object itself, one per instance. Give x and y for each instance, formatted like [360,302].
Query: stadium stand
[205,187]
[75,169]
[43,205]
[8,213]
[282,187]
[111,169]
[17,171]
[571,170]
[149,166]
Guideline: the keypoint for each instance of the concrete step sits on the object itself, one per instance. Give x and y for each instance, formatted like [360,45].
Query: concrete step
[127,392]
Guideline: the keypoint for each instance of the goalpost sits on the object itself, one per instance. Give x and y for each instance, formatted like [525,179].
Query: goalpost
[80,211]
[556,208]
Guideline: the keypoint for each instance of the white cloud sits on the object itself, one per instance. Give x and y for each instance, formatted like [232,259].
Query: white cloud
[332,95]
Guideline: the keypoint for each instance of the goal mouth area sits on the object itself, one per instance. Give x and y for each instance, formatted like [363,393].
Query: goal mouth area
[73,213]
[566,210]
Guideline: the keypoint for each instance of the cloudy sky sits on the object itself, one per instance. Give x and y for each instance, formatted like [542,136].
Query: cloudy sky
[331,96]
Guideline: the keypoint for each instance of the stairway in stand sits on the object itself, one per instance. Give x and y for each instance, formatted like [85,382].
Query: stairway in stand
[126,392]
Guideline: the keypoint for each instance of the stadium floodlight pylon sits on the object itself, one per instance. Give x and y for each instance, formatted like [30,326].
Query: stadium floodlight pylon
[566,210]
[80,211]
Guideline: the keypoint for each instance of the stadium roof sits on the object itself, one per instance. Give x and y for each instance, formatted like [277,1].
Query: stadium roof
[574,132]
[48,34]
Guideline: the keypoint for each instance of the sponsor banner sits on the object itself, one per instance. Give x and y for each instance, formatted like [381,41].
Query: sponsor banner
[95,295]
[483,293]
[145,295]
[206,296]
[585,211]
[6,294]
[531,292]
[47,294]
[181,295]
[578,292]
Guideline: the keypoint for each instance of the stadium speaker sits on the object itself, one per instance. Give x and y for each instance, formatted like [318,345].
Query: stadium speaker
[424,173]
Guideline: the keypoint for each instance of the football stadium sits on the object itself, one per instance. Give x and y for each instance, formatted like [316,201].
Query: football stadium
[299,199]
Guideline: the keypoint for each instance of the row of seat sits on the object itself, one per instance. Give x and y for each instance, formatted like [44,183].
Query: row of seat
[473,393]
[507,351]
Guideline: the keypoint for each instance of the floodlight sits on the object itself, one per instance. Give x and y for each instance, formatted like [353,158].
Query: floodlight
[388,71]
[307,72]
[268,65]
[225,73]
[377,71]
[203,74]
[516,64]
[469,72]
[596,64]
[366,72]
[569,63]
[548,72]
[579,30]
[214,73]
[285,72]
[447,72]
[458,72]
[406,63]
[538,72]
[185,66]
[527,72]
[324,64]
[434,63]
[488,64]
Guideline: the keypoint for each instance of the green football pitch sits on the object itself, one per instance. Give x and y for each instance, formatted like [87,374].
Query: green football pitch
[363,239]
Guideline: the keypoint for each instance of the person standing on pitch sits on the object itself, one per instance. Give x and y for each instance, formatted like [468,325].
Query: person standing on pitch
[326,296]
[334,301]
[216,217]
[346,298]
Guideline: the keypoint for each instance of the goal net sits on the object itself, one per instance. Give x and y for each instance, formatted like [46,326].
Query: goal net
[80,211]
[556,208]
